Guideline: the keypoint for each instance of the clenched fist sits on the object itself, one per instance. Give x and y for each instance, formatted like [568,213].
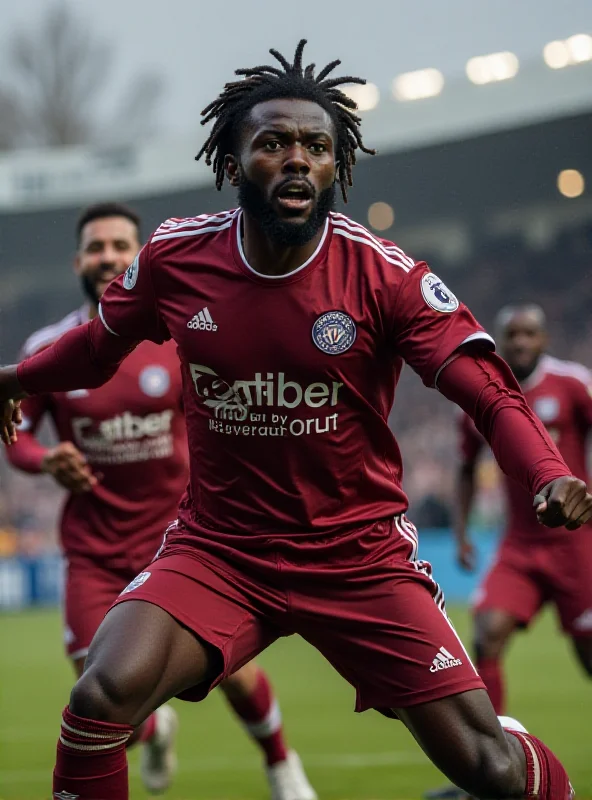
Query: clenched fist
[564,501]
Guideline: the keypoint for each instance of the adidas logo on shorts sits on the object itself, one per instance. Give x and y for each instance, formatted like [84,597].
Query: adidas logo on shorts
[202,321]
[444,660]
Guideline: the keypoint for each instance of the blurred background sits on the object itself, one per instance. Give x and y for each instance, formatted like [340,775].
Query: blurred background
[482,115]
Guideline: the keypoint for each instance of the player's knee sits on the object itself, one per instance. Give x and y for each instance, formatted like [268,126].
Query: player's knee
[100,696]
[489,640]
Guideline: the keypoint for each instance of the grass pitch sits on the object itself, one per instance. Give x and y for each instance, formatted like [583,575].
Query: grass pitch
[347,756]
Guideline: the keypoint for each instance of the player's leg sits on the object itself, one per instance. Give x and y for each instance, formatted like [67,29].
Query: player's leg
[90,589]
[178,634]
[250,694]
[569,567]
[463,737]
[391,639]
[508,598]
[583,648]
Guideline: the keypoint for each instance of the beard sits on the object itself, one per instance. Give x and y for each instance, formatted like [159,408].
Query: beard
[289,234]
[89,290]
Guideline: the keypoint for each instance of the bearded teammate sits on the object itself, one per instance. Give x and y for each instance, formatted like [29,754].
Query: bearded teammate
[294,520]
[533,566]
[123,458]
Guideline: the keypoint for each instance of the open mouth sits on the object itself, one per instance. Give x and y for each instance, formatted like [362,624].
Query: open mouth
[295,196]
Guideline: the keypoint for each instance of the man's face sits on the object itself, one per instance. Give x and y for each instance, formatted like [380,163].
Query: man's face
[285,170]
[522,341]
[107,247]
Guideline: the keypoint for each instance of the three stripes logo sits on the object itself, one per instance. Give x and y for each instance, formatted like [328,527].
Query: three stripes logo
[202,321]
[444,660]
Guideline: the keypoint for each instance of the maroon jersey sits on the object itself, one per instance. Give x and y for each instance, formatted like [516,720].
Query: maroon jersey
[288,379]
[132,432]
[560,394]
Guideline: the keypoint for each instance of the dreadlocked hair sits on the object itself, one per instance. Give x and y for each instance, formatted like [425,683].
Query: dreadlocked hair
[293,81]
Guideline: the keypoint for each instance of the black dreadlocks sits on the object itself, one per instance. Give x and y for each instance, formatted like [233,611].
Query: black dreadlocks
[269,83]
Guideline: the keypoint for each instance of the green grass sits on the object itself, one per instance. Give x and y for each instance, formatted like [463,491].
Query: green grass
[347,755]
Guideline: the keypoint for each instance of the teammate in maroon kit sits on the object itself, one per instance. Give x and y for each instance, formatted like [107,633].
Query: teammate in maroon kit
[534,566]
[294,519]
[123,458]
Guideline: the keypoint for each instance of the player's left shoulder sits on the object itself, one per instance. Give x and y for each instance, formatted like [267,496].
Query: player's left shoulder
[385,256]
[568,372]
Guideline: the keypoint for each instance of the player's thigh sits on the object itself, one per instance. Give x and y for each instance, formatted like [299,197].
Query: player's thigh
[89,591]
[390,638]
[197,623]
[511,585]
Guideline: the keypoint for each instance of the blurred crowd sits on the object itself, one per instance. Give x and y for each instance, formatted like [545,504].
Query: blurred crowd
[557,277]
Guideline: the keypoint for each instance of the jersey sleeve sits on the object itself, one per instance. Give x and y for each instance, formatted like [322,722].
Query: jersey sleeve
[430,324]
[470,440]
[129,306]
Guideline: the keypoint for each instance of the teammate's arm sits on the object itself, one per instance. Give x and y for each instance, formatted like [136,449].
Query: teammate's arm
[482,384]
[87,356]
[470,446]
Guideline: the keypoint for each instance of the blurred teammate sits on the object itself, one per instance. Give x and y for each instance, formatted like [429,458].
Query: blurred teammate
[123,458]
[292,324]
[534,565]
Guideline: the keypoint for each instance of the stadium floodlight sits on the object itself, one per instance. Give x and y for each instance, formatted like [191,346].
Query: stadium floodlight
[381,216]
[570,183]
[492,68]
[556,54]
[418,85]
[367,96]
[580,48]
[565,53]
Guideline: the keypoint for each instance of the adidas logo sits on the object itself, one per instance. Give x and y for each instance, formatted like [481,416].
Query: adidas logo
[202,321]
[65,795]
[444,660]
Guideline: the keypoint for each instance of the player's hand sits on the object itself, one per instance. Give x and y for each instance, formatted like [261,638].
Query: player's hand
[466,556]
[69,468]
[11,418]
[10,408]
[564,502]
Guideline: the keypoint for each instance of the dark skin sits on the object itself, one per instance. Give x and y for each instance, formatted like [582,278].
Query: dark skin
[522,341]
[282,140]
[141,656]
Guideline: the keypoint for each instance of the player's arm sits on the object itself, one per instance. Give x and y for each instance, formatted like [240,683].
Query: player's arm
[442,341]
[64,462]
[89,355]
[470,446]
[482,384]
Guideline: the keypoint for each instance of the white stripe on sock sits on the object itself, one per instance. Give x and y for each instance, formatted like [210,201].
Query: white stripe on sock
[271,723]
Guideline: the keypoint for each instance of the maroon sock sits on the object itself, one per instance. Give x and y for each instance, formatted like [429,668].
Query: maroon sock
[260,714]
[91,763]
[546,777]
[490,672]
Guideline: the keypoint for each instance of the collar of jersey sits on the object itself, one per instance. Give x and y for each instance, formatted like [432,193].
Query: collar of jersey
[277,280]
[537,375]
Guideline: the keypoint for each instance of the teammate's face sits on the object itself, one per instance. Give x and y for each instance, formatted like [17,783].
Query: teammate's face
[107,248]
[523,341]
[285,172]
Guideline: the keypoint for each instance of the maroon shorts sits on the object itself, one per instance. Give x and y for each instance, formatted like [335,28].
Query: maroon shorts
[379,620]
[527,574]
[89,591]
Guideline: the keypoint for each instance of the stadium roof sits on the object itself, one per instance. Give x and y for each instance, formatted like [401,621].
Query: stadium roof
[37,179]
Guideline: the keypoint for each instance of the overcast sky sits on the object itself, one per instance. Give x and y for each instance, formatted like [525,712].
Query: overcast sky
[196,45]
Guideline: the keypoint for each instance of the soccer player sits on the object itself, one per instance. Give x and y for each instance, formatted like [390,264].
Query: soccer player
[123,459]
[533,566]
[294,520]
